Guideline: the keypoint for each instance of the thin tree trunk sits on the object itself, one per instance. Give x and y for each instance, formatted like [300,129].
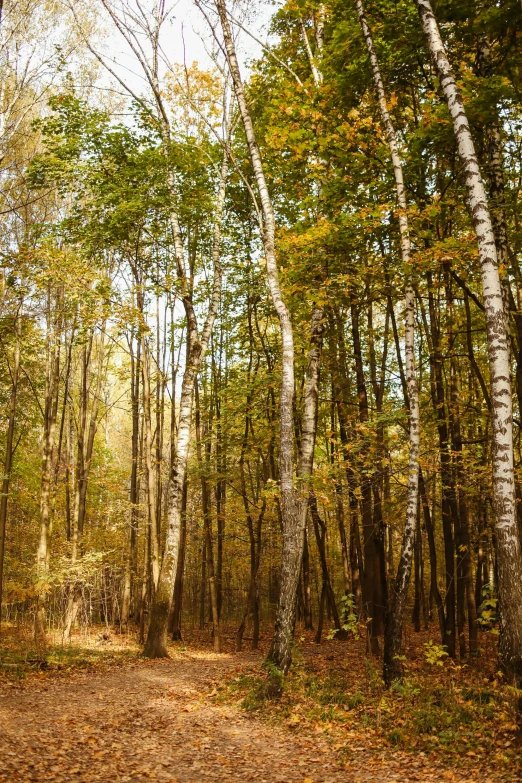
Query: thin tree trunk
[145,580]
[160,418]
[131,558]
[320,537]
[49,430]
[9,448]
[393,631]
[307,595]
[465,594]
[434,585]
[255,557]
[203,585]
[254,536]
[86,432]
[416,615]
[221,485]
[448,513]
[156,644]
[320,615]
[150,471]
[371,579]
[203,454]
[354,548]
[293,508]
[339,507]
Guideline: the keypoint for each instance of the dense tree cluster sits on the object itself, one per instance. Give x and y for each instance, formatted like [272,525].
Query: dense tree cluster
[261,336]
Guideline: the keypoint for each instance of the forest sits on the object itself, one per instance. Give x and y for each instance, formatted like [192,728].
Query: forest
[261,390]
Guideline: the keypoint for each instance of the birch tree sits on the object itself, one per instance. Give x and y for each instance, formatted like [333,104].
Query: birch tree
[509,555]
[293,493]
[393,629]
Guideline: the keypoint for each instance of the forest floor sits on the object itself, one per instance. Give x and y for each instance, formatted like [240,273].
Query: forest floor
[95,710]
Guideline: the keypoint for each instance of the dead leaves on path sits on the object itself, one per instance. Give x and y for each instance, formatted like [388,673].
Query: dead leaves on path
[150,721]
[172,721]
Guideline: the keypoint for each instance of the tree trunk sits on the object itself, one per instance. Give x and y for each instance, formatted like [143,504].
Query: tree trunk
[156,644]
[320,537]
[465,594]
[509,557]
[9,448]
[174,627]
[434,585]
[203,454]
[293,509]
[131,559]
[86,432]
[371,575]
[339,506]
[203,585]
[49,429]
[438,398]
[221,484]
[320,615]
[150,471]
[255,557]
[393,631]
[307,595]
[340,393]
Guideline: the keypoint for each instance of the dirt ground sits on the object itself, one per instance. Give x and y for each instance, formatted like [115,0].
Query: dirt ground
[149,722]
[160,721]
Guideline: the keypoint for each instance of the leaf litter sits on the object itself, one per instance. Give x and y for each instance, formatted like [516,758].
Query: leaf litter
[188,719]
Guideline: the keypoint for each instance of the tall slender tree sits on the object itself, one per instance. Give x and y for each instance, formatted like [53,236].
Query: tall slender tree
[509,555]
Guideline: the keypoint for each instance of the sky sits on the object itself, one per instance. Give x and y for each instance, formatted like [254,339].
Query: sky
[187,38]
[195,30]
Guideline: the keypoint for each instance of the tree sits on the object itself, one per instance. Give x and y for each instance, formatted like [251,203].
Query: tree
[508,541]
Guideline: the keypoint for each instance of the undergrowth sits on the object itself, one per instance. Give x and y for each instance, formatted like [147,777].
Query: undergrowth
[457,713]
[20,658]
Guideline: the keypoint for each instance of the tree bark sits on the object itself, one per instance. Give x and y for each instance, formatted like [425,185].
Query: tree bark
[307,594]
[293,498]
[293,516]
[509,556]
[465,594]
[9,447]
[131,559]
[52,381]
[203,454]
[320,537]
[150,471]
[393,630]
[174,627]
[371,593]
[156,644]
[86,433]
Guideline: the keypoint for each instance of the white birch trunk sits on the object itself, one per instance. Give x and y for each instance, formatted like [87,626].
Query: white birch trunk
[156,644]
[509,558]
[393,631]
[280,653]
[294,501]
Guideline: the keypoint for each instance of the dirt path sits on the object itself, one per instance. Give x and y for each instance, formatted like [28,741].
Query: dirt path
[159,721]
[152,721]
